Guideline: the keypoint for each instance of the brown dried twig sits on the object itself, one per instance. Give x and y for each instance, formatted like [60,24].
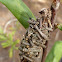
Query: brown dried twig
[54,7]
[42,34]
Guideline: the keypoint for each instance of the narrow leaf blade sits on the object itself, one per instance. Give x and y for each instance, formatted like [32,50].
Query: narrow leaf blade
[19,10]
[55,53]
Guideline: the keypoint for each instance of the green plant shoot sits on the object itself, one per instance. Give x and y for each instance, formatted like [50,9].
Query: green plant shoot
[8,41]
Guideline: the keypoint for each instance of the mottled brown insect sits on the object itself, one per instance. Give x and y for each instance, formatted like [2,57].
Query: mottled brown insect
[34,42]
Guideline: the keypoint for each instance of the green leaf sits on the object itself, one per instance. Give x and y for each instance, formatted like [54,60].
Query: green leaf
[19,10]
[2,35]
[15,42]
[16,48]
[55,53]
[10,36]
[5,44]
[59,26]
[11,52]
[2,38]
[1,30]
